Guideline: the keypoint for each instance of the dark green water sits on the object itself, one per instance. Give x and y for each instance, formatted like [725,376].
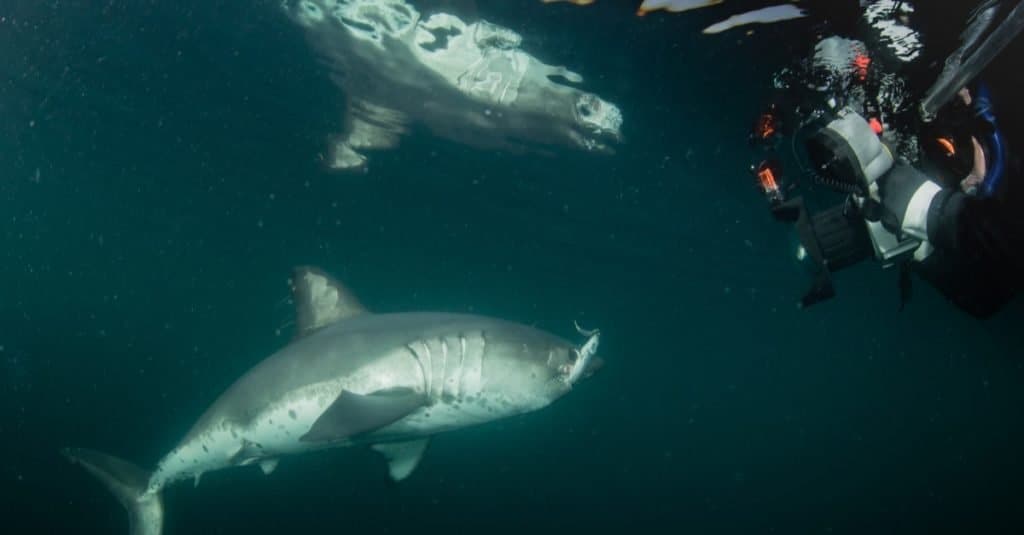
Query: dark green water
[145,264]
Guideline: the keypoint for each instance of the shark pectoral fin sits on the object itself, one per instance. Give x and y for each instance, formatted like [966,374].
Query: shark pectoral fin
[351,414]
[403,457]
[565,73]
[320,300]
[344,158]
[268,466]
[245,453]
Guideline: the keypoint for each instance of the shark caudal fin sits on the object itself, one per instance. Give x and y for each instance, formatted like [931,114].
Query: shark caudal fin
[128,484]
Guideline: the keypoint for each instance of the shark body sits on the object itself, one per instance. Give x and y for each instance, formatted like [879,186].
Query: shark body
[350,377]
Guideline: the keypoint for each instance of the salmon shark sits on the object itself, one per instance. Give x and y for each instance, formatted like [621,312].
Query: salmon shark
[350,377]
[467,81]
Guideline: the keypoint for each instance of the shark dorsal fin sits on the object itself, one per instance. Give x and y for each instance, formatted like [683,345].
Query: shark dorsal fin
[320,300]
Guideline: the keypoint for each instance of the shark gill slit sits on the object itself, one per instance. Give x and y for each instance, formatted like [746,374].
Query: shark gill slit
[444,366]
[430,366]
[483,356]
[419,362]
[462,366]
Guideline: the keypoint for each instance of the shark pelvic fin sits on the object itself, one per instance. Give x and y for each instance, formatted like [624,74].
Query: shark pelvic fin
[352,414]
[320,300]
[245,453]
[403,457]
[268,466]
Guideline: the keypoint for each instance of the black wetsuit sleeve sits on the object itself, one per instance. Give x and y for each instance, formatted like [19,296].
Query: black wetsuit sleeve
[979,249]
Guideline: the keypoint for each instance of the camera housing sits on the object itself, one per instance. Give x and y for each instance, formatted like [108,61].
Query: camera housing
[847,155]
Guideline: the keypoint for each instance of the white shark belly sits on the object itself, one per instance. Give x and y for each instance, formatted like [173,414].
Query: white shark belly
[456,413]
[274,432]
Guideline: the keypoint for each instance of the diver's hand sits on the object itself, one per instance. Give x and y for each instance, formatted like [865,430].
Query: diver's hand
[906,195]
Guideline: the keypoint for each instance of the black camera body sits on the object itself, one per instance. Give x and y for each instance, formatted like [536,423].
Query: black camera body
[845,154]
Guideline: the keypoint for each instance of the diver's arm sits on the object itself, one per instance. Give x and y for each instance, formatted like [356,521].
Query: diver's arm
[980,231]
[975,249]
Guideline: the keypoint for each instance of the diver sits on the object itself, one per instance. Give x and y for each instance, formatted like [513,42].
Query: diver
[961,232]
[950,210]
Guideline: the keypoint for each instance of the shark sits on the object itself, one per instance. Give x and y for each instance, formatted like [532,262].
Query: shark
[389,381]
[470,82]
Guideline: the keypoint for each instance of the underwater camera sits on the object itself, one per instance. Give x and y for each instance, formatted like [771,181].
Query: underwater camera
[844,153]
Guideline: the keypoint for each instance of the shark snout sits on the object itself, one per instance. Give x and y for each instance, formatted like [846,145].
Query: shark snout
[598,122]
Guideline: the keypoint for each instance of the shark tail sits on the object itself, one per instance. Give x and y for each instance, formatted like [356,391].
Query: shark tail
[127,483]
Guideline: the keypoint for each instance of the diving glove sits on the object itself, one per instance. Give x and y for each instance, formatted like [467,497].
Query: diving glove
[907,196]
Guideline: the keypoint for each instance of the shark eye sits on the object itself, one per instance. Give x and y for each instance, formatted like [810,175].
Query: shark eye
[586,107]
